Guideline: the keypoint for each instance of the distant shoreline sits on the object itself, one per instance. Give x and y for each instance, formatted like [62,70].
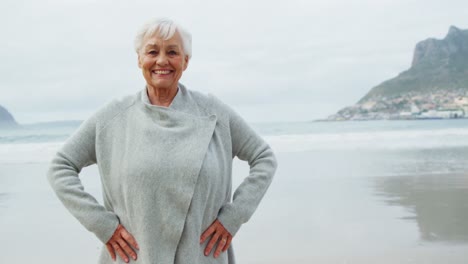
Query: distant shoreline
[390,119]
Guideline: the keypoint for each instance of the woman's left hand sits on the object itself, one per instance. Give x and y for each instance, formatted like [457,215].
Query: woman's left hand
[219,235]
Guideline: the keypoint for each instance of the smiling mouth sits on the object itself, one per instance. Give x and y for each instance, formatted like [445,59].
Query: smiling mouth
[162,72]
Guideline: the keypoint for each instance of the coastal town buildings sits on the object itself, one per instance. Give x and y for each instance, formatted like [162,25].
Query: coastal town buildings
[433,105]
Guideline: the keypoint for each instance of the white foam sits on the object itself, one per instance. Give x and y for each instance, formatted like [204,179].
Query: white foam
[391,139]
[28,152]
[375,140]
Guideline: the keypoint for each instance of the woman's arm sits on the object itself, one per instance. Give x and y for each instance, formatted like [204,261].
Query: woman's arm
[247,145]
[77,153]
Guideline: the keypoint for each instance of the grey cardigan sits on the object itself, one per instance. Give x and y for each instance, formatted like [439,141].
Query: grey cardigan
[165,174]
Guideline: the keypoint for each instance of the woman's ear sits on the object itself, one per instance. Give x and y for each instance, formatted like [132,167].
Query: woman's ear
[186,62]
[139,61]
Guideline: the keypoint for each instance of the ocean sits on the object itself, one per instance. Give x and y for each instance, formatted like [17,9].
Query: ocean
[344,192]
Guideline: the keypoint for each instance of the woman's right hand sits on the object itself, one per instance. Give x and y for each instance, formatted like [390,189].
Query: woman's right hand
[122,242]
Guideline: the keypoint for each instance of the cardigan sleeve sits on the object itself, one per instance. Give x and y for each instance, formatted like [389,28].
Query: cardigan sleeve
[63,176]
[247,145]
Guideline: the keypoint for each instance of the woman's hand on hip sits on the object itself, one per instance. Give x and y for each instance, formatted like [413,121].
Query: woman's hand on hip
[122,242]
[219,235]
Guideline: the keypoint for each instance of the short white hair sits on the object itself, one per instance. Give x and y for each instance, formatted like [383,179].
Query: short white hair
[164,28]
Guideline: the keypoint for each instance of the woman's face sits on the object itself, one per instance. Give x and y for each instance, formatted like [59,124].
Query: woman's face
[162,61]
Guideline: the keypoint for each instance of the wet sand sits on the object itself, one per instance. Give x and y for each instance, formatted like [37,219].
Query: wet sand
[321,208]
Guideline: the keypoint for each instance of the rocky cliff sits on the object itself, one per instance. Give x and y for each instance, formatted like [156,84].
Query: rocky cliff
[437,64]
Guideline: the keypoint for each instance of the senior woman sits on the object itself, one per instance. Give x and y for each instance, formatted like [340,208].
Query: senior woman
[165,160]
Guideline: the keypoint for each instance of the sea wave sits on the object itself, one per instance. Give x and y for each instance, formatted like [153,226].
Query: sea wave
[376,140]
[28,152]
[33,138]
[383,140]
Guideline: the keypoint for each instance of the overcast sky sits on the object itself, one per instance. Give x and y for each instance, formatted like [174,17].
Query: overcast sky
[271,60]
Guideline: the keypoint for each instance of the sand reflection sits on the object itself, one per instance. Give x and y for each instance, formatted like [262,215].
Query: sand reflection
[437,203]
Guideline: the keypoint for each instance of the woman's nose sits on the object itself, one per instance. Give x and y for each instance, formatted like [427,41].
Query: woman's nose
[162,59]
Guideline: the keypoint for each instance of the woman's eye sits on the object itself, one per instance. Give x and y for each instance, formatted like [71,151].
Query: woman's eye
[172,52]
[152,52]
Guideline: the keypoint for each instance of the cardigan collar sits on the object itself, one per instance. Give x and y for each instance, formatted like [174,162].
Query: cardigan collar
[178,103]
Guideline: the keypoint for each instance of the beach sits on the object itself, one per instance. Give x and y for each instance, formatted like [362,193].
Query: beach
[363,193]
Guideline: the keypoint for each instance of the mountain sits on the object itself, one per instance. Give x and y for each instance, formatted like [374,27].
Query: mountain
[437,64]
[437,80]
[6,119]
